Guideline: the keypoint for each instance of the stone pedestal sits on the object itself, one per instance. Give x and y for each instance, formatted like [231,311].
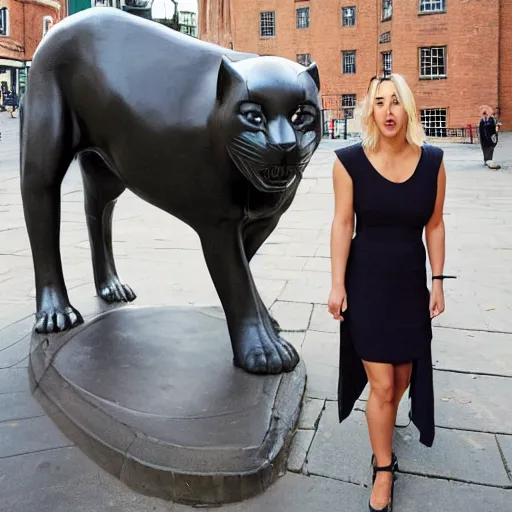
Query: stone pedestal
[151,394]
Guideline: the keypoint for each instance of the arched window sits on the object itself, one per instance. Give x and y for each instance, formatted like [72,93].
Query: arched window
[4,21]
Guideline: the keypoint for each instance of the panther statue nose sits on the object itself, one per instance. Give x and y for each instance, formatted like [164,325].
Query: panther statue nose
[282,135]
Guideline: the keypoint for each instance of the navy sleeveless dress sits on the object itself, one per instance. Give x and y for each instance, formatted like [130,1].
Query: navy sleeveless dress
[388,317]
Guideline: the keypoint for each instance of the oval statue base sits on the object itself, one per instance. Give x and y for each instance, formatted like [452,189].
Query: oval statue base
[152,396]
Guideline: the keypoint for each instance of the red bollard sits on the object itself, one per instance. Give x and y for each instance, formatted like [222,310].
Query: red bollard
[331,128]
[470,128]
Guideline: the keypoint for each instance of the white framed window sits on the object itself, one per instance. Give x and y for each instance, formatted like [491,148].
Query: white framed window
[304,59]
[303,17]
[348,103]
[434,121]
[349,62]
[431,6]
[387,63]
[433,62]
[387,9]
[4,21]
[348,16]
[267,24]
[47,24]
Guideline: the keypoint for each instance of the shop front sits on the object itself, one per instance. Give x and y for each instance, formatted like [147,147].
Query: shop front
[13,76]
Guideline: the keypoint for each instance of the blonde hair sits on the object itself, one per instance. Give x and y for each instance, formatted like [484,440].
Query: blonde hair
[370,133]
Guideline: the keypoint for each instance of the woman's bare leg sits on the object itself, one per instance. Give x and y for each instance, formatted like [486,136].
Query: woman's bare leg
[402,380]
[381,417]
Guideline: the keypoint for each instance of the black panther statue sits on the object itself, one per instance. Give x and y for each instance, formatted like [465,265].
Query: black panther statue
[217,138]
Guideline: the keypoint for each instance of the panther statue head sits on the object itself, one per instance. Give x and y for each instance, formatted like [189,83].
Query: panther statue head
[268,119]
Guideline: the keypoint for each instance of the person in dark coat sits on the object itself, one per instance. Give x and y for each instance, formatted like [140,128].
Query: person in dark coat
[391,186]
[488,136]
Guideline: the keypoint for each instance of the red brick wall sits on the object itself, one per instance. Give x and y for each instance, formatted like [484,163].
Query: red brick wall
[12,47]
[325,39]
[506,64]
[471,30]
[26,26]
[34,22]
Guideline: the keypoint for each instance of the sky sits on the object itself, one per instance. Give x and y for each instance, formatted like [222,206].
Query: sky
[160,7]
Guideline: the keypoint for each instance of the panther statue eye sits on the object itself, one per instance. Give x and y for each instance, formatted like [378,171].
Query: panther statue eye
[254,117]
[303,116]
[252,114]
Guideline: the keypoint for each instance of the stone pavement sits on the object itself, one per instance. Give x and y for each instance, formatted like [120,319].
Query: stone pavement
[468,468]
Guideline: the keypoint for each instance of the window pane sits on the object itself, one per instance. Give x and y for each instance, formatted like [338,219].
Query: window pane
[349,62]
[304,59]
[3,21]
[267,24]
[348,16]
[387,64]
[432,5]
[387,9]
[303,17]
[433,62]
[434,122]
[348,100]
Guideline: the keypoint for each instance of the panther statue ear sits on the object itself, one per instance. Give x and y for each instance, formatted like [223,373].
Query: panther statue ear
[312,69]
[227,77]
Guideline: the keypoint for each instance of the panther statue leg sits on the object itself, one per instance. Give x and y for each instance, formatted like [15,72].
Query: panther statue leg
[46,157]
[257,348]
[254,234]
[102,188]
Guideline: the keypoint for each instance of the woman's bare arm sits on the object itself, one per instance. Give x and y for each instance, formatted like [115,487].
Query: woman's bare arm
[434,230]
[342,228]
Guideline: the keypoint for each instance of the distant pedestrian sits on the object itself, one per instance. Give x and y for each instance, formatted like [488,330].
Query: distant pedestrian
[393,185]
[488,136]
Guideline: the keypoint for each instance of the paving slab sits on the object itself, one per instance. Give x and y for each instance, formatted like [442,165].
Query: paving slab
[299,493]
[14,380]
[19,437]
[292,316]
[321,354]
[311,411]
[473,402]
[64,479]
[14,406]
[314,287]
[318,264]
[322,320]
[15,353]
[343,452]
[472,351]
[471,457]
[420,494]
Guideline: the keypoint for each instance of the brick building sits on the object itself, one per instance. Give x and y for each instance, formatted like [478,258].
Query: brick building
[23,23]
[455,54]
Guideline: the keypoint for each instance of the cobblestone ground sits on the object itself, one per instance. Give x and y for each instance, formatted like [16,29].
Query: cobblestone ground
[467,469]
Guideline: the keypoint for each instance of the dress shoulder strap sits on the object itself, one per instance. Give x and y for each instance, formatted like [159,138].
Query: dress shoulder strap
[433,157]
[350,157]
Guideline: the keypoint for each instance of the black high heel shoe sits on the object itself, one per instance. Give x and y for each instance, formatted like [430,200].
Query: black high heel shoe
[392,468]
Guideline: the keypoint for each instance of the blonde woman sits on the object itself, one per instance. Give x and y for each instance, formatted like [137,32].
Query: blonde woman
[394,185]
